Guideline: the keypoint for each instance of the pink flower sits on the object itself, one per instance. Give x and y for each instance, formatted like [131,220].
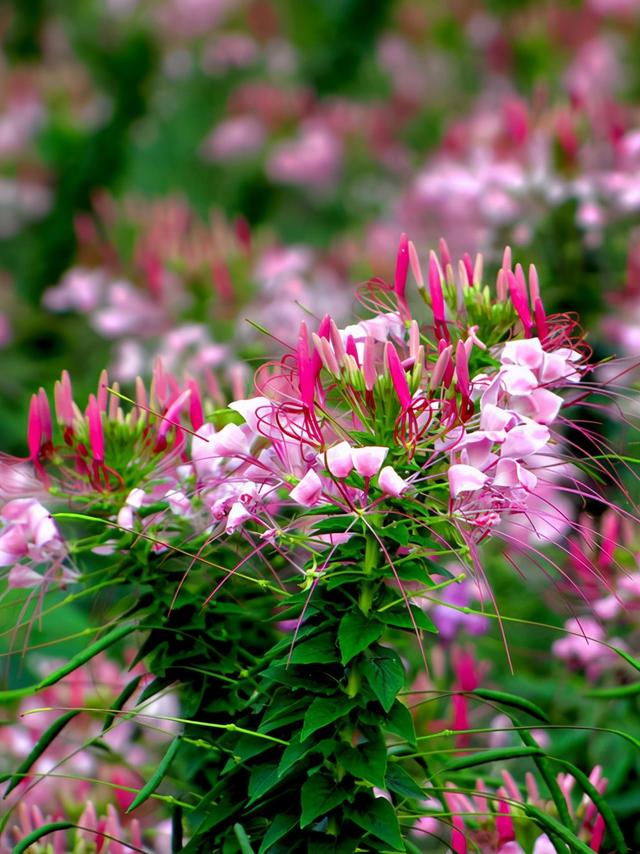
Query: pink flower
[338,459]
[525,439]
[463,478]
[391,483]
[367,461]
[308,490]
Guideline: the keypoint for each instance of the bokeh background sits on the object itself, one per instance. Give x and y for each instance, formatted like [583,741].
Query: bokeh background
[170,168]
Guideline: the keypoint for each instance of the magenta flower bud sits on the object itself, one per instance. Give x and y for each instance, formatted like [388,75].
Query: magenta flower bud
[445,255]
[478,269]
[367,461]
[402,267]
[45,415]
[308,490]
[542,326]
[338,460]
[96,433]
[441,367]
[326,355]
[196,412]
[398,375]
[415,265]
[391,483]
[435,289]
[462,369]
[506,259]
[336,342]
[63,400]
[520,302]
[414,339]
[504,824]
[306,377]
[352,350]
[463,478]
[369,364]
[466,261]
[534,285]
[34,428]
[103,385]
[173,413]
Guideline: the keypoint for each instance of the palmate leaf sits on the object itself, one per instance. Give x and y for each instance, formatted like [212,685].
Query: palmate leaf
[357,633]
[279,827]
[324,711]
[385,674]
[378,817]
[367,761]
[320,794]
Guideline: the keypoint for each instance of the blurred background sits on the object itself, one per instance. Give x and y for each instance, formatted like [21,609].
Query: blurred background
[169,168]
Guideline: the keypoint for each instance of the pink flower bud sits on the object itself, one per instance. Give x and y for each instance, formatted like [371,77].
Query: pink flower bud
[308,490]
[435,290]
[63,399]
[442,367]
[171,417]
[445,255]
[402,267]
[34,428]
[369,364]
[96,433]
[415,266]
[398,376]
[367,461]
[391,483]
[462,369]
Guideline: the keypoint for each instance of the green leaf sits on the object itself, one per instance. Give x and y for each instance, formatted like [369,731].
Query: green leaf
[45,830]
[320,649]
[402,783]
[324,711]
[263,779]
[243,839]
[297,750]
[378,817]
[367,761]
[335,525]
[401,618]
[279,827]
[385,674]
[157,777]
[38,749]
[356,633]
[398,533]
[400,722]
[320,795]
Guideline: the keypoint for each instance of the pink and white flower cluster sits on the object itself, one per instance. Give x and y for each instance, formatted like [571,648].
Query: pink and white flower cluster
[499,457]
[30,541]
